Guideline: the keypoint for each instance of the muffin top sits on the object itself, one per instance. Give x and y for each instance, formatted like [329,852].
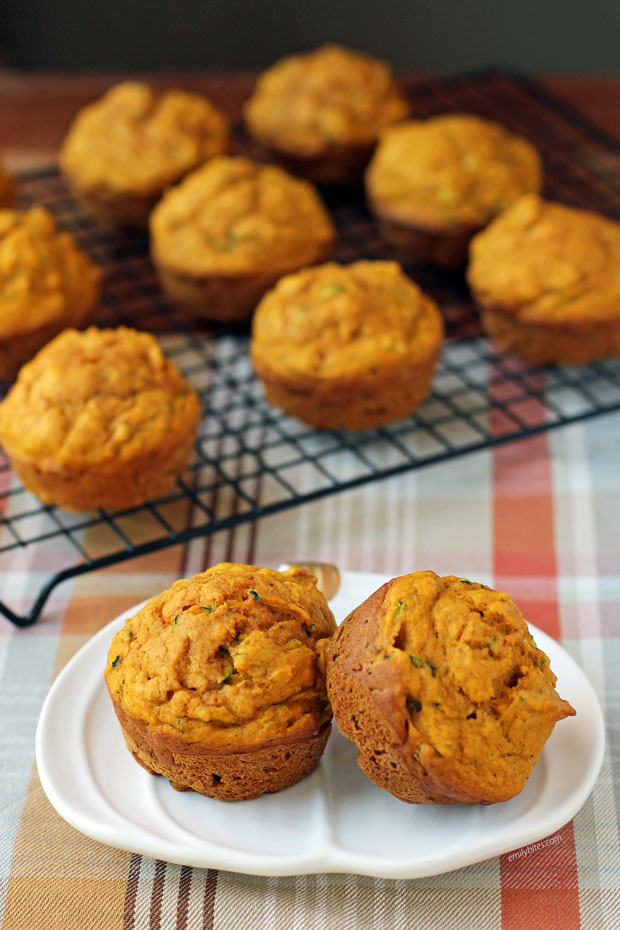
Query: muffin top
[452,170]
[334,321]
[44,276]
[133,139]
[233,216]
[542,261]
[331,96]
[95,400]
[7,188]
[233,657]
[459,680]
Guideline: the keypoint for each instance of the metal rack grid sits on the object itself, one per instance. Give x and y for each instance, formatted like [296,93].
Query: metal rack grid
[251,459]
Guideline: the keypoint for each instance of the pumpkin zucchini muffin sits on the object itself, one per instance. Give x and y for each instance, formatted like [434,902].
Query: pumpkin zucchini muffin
[227,233]
[219,682]
[346,347]
[99,419]
[443,690]
[432,184]
[125,149]
[7,188]
[320,114]
[547,280]
[46,284]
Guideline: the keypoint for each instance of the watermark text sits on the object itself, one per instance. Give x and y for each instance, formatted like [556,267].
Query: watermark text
[526,850]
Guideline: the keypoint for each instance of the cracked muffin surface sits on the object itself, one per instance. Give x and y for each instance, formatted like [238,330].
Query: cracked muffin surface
[220,671]
[443,689]
[133,142]
[447,176]
[324,109]
[228,232]
[99,419]
[234,215]
[46,284]
[547,279]
[346,346]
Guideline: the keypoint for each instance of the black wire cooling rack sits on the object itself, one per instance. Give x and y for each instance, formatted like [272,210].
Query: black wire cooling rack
[252,460]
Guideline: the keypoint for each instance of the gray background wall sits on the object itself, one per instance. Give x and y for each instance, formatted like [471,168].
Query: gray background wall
[574,36]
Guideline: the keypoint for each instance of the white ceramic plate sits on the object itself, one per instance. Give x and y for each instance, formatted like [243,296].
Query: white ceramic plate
[336,820]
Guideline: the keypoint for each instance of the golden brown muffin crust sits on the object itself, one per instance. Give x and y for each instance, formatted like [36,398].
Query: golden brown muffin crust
[44,277]
[346,346]
[329,97]
[236,217]
[449,686]
[544,262]
[231,659]
[97,400]
[450,171]
[233,776]
[135,140]
[336,320]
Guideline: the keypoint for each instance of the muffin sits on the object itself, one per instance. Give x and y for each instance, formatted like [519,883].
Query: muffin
[7,188]
[346,347]
[432,184]
[219,682]
[46,284]
[441,687]
[99,419]
[227,233]
[320,114]
[124,150]
[547,280]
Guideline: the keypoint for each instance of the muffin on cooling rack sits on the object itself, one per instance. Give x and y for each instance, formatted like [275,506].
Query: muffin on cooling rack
[46,284]
[125,149]
[432,184]
[7,188]
[223,236]
[443,690]
[320,113]
[547,280]
[219,682]
[346,347]
[99,419]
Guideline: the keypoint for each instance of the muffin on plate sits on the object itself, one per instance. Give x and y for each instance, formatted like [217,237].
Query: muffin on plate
[346,347]
[99,419]
[441,687]
[433,183]
[219,682]
[547,280]
[46,284]
[320,113]
[7,188]
[227,233]
[125,149]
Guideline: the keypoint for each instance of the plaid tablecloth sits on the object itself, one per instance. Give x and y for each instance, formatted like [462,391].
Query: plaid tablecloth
[540,517]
